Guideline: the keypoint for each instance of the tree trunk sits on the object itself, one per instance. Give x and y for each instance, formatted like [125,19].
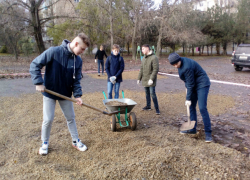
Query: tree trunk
[173,47]
[224,48]
[13,45]
[134,44]
[207,50]
[128,47]
[111,25]
[183,48]
[16,54]
[158,49]
[161,51]
[211,49]
[37,27]
[218,48]
[202,49]
[192,50]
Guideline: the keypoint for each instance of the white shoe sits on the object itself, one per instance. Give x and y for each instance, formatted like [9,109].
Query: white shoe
[44,148]
[79,145]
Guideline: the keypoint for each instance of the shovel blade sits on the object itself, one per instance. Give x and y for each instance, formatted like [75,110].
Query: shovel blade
[110,113]
[187,126]
[114,112]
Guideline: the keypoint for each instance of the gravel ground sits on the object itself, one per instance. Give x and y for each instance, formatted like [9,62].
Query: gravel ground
[154,151]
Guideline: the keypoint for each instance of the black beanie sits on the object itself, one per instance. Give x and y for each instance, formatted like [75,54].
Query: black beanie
[174,58]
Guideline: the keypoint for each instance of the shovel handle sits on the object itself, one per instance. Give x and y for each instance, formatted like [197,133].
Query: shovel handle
[188,111]
[67,98]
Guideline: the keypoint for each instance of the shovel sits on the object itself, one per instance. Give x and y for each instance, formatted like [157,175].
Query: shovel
[189,124]
[91,107]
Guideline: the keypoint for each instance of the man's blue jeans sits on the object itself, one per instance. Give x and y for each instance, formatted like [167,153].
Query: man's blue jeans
[116,90]
[102,63]
[201,95]
[151,91]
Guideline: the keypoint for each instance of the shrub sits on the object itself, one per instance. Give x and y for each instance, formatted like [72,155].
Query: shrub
[3,49]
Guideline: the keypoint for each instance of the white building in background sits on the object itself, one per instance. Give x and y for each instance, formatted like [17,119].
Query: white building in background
[204,5]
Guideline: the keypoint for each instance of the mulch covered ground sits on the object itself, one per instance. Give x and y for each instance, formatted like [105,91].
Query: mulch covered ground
[155,150]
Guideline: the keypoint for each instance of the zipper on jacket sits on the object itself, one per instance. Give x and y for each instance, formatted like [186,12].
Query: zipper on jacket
[74,66]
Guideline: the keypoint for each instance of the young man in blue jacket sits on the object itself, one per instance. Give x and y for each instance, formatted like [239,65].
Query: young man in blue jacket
[62,75]
[114,67]
[197,84]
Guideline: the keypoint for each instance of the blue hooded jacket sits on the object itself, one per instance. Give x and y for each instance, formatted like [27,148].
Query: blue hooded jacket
[62,72]
[114,67]
[193,75]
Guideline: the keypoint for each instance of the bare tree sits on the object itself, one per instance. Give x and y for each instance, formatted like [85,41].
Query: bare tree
[175,26]
[11,28]
[34,20]
[134,9]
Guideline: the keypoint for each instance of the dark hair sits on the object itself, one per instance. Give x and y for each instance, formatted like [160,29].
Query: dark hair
[146,45]
[84,38]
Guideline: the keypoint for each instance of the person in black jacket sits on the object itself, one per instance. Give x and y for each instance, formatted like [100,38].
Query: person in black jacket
[100,54]
[62,75]
[197,85]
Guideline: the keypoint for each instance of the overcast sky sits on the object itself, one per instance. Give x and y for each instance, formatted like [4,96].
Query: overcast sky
[157,2]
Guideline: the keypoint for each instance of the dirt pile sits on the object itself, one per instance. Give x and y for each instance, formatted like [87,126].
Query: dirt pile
[154,151]
[115,103]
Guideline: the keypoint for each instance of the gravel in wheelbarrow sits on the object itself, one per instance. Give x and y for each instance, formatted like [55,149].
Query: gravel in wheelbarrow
[123,103]
[115,103]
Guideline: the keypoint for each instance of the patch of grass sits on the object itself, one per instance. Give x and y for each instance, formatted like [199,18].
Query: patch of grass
[6,54]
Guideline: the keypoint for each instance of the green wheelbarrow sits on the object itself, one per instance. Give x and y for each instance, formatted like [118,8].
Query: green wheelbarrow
[130,119]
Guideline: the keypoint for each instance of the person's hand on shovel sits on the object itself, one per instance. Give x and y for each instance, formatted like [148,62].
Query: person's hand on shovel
[40,88]
[79,101]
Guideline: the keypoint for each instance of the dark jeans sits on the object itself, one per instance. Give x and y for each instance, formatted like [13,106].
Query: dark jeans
[102,63]
[151,91]
[200,95]
[116,90]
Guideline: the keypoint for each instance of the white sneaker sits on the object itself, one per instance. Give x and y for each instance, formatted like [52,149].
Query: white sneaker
[79,145]
[44,148]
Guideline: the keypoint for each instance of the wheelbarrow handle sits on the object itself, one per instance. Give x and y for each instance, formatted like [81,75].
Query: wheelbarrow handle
[75,101]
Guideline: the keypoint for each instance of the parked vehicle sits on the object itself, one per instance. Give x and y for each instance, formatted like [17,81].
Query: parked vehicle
[122,50]
[241,57]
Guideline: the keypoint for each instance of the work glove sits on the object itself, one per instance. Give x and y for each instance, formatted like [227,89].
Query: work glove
[188,103]
[112,79]
[95,60]
[138,82]
[114,82]
[40,88]
[150,82]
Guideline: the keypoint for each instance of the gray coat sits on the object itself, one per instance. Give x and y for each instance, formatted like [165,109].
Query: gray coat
[149,70]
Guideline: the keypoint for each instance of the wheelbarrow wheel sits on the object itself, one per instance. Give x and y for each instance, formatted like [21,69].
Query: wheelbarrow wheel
[113,123]
[132,121]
